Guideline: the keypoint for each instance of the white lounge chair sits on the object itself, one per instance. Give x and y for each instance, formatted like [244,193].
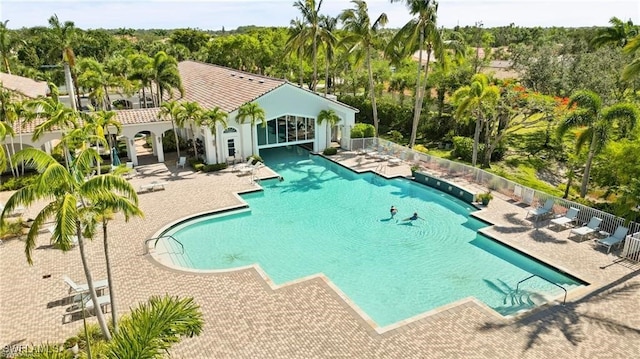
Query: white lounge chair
[84,288]
[74,239]
[541,211]
[585,231]
[570,217]
[16,211]
[617,238]
[86,305]
[182,161]
[250,168]
[239,166]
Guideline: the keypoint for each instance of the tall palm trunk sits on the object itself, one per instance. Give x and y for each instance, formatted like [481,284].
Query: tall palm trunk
[175,133]
[92,289]
[68,79]
[372,92]
[570,175]
[315,61]
[476,140]
[107,259]
[6,148]
[420,99]
[587,166]
[326,78]
[416,111]
[74,82]
[144,98]
[195,149]
[301,78]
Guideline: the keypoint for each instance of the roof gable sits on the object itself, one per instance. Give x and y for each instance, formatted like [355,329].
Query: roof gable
[24,85]
[213,85]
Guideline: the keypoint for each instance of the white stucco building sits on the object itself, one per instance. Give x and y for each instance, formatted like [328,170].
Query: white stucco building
[291,113]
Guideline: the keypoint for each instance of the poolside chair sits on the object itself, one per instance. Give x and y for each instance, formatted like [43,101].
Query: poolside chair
[541,212]
[182,161]
[16,211]
[74,239]
[239,166]
[585,231]
[83,288]
[615,239]
[567,220]
[86,305]
[250,168]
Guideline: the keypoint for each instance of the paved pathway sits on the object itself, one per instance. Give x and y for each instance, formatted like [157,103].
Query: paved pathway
[245,318]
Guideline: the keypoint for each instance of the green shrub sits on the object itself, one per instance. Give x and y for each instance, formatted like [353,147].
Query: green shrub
[329,151]
[214,167]
[463,148]
[15,183]
[198,166]
[256,158]
[193,162]
[362,130]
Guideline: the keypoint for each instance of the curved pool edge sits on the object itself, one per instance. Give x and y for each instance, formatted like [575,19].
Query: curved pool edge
[358,314]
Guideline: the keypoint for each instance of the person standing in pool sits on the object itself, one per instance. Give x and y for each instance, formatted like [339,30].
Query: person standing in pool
[393,211]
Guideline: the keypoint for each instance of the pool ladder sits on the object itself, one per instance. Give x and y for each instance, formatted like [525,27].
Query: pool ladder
[546,280]
[159,238]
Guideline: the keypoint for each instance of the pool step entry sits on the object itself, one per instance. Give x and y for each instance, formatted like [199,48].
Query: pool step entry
[175,250]
[546,280]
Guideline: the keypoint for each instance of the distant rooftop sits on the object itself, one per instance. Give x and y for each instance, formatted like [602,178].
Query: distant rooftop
[23,85]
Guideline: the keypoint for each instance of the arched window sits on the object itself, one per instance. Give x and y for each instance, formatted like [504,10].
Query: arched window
[230,130]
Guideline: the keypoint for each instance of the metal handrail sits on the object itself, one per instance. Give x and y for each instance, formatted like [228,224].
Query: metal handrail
[159,238]
[545,279]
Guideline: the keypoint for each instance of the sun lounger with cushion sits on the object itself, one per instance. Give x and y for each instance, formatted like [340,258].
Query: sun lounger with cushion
[616,239]
[543,211]
[585,231]
[568,219]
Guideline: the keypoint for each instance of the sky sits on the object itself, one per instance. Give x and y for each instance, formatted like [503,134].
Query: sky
[216,14]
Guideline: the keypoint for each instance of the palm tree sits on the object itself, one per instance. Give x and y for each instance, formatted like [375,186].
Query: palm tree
[99,125]
[98,80]
[632,69]
[311,16]
[211,119]
[72,198]
[5,46]
[331,118]
[103,213]
[17,114]
[253,112]
[296,44]
[476,100]
[56,116]
[329,41]
[192,112]
[361,35]
[165,75]
[599,122]
[142,72]
[417,34]
[171,110]
[618,34]
[64,35]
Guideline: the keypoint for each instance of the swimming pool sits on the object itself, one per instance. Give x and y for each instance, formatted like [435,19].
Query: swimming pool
[324,218]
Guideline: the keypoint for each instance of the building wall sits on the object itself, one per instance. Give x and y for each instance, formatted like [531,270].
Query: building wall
[288,99]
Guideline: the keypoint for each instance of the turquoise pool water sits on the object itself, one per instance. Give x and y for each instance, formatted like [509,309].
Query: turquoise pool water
[324,218]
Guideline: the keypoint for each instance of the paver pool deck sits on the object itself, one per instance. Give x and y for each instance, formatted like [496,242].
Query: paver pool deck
[246,318]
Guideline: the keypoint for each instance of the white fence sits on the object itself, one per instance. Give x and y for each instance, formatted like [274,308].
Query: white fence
[631,248]
[449,169]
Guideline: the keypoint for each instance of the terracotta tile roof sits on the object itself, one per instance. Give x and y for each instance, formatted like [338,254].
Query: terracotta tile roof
[126,117]
[212,85]
[24,85]
[142,115]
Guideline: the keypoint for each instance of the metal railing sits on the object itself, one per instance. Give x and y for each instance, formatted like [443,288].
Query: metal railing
[161,237]
[546,280]
[631,248]
[447,169]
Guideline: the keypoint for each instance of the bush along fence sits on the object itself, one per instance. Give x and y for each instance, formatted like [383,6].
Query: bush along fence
[450,169]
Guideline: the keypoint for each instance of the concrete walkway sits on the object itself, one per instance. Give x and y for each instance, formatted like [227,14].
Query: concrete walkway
[245,318]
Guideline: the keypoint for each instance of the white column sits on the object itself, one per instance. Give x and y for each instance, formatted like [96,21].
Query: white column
[131,151]
[158,150]
[209,148]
